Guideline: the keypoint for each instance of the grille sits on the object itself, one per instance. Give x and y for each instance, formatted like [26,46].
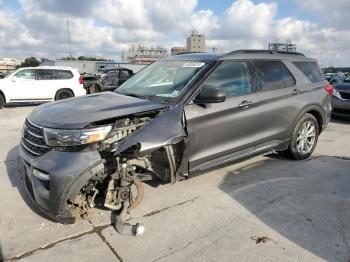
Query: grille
[33,139]
[345,95]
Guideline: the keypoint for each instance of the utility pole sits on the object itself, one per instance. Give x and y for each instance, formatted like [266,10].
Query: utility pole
[68,36]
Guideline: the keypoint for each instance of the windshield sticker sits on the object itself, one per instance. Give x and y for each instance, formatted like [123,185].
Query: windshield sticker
[173,94]
[193,64]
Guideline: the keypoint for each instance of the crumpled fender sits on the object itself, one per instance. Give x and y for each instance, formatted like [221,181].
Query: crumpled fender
[167,128]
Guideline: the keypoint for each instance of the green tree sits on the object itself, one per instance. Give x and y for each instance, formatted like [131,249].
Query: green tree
[29,62]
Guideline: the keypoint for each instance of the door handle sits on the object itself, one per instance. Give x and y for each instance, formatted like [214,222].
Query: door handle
[296,91]
[245,103]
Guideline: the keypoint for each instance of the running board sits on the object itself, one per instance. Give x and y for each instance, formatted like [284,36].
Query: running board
[246,153]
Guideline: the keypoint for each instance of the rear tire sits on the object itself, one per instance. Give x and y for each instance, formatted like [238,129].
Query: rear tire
[63,94]
[304,138]
[2,101]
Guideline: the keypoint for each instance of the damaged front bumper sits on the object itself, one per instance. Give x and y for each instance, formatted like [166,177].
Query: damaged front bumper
[66,172]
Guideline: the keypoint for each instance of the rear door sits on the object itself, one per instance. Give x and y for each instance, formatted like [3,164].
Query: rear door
[217,130]
[47,84]
[276,98]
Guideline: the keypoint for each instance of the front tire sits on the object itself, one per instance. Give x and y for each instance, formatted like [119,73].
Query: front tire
[2,101]
[63,94]
[304,138]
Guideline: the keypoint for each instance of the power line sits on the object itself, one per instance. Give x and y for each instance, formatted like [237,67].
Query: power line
[68,36]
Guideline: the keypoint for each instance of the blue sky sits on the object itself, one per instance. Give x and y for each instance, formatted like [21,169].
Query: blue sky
[106,27]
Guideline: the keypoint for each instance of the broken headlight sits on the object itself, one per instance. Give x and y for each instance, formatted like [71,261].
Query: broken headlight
[66,137]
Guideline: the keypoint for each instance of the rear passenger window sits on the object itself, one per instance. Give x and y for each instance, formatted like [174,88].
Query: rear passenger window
[63,74]
[46,74]
[232,78]
[311,71]
[269,75]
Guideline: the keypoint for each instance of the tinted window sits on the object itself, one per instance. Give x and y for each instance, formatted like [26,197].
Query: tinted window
[232,78]
[269,75]
[26,74]
[311,71]
[63,74]
[46,75]
[288,77]
[123,74]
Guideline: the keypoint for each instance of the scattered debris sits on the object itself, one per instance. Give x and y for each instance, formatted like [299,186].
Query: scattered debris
[263,239]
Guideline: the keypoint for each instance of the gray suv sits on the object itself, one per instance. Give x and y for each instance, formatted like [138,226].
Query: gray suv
[181,114]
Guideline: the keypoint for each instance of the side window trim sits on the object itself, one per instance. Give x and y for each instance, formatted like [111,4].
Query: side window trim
[284,68]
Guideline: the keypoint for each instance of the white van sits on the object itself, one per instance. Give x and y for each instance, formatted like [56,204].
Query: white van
[40,84]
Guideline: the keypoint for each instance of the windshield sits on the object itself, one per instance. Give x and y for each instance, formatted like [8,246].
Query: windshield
[347,79]
[164,80]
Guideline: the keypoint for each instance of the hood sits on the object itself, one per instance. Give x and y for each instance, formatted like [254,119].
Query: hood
[343,86]
[80,111]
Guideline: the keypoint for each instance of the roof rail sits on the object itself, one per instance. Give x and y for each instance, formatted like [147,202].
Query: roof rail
[187,52]
[254,51]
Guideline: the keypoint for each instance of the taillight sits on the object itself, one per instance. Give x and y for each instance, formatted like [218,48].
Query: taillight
[329,89]
[81,80]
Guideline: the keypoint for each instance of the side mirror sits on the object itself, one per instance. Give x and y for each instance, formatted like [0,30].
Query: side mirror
[210,95]
[13,79]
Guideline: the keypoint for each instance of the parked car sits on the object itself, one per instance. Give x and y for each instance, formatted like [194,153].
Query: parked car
[181,114]
[341,99]
[40,84]
[106,80]
[336,78]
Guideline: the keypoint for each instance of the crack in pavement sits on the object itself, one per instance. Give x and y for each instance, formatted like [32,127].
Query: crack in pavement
[115,253]
[97,230]
[193,240]
[50,245]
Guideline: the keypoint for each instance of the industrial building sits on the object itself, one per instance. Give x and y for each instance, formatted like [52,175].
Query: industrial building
[283,47]
[89,67]
[178,50]
[196,42]
[143,55]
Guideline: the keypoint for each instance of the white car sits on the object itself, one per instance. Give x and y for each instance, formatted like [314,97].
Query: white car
[40,84]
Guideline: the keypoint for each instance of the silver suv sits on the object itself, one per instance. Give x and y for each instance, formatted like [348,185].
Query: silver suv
[183,113]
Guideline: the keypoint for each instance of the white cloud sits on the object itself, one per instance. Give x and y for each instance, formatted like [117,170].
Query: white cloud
[108,26]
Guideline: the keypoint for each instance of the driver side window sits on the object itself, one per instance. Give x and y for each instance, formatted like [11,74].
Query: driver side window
[232,78]
[26,74]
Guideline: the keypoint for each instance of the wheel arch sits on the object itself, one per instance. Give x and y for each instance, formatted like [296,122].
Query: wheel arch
[315,110]
[65,88]
[3,95]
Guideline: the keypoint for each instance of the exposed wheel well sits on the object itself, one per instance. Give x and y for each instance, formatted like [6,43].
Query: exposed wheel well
[3,95]
[67,89]
[318,117]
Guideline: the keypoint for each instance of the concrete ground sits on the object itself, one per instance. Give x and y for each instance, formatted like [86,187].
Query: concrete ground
[267,208]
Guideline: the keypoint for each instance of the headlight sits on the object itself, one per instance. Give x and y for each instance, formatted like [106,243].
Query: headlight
[66,137]
[336,94]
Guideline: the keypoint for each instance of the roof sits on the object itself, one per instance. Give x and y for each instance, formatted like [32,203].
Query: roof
[50,67]
[243,54]
[266,55]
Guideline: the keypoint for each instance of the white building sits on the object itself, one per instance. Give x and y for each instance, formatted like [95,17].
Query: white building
[196,42]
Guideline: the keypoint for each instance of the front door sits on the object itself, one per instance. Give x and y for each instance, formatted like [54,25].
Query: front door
[22,85]
[218,129]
